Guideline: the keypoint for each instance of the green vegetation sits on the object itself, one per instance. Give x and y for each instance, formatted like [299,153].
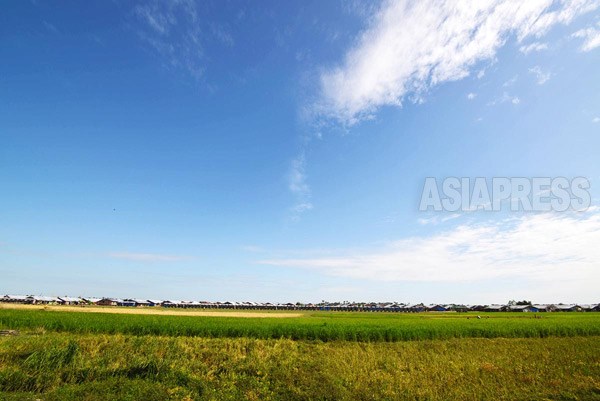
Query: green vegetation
[97,356]
[324,326]
[62,366]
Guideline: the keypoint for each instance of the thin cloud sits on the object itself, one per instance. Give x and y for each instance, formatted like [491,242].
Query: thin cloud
[161,22]
[510,82]
[297,177]
[222,34]
[297,184]
[543,247]
[533,47]
[146,257]
[172,30]
[438,219]
[252,248]
[591,37]
[506,97]
[177,33]
[410,47]
[471,96]
[50,27]
[540,76]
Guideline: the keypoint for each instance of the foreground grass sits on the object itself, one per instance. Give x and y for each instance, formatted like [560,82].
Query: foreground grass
[324,326]
[61,366]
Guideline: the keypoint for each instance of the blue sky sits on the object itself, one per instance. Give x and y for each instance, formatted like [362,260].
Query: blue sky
[276,151]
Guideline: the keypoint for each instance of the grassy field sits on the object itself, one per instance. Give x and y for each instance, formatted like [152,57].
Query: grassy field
[324,326]
[60,366]
[88,356]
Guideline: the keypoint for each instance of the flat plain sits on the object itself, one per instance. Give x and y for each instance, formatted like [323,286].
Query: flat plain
[66,355]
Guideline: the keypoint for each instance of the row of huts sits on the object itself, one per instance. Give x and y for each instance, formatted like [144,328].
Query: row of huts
[324,306]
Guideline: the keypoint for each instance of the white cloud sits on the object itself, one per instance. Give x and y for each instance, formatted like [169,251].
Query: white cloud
[299,187]
[506,97]
[172,30]
[297,177]
[533,47]
[540,247]
[302,207]
[510,82]
[540,76]
[591,38]
[146,257]
[410,47]
[596,120]
[471,96]
[438,219]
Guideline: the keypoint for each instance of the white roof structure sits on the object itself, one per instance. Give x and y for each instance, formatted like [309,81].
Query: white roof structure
[44,299]
[17,297]
[70,299]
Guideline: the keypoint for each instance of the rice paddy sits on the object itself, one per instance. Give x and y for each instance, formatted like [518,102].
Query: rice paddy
[323,326]
[64,355]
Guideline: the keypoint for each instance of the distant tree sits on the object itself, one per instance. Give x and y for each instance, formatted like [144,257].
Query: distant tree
[523,302]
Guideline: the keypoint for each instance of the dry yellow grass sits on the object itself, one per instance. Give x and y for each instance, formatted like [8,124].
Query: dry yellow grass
[152,311]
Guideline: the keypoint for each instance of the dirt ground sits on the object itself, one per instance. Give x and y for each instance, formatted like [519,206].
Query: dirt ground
[151,311]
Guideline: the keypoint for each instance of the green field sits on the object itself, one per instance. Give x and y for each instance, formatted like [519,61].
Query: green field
[324,326]
[319,356]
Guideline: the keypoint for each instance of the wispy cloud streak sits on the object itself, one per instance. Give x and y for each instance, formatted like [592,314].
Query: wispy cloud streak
[146,257]
[177,32]
[297,184]
[541,76]
[172,30]
[533,47]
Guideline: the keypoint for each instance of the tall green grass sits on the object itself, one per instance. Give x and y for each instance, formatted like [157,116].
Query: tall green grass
[313,326]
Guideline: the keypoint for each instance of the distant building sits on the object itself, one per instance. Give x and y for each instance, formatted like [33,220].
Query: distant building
[22,299]
[107,302]
[437,308]
[125,302]
[495,308]
[91,301]
[41,300]
[522,308]
[70,300]
[171,304]
[545,307]
[141,302]
[568,308]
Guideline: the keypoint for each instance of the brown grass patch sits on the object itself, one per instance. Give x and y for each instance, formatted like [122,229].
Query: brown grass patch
[152,311]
